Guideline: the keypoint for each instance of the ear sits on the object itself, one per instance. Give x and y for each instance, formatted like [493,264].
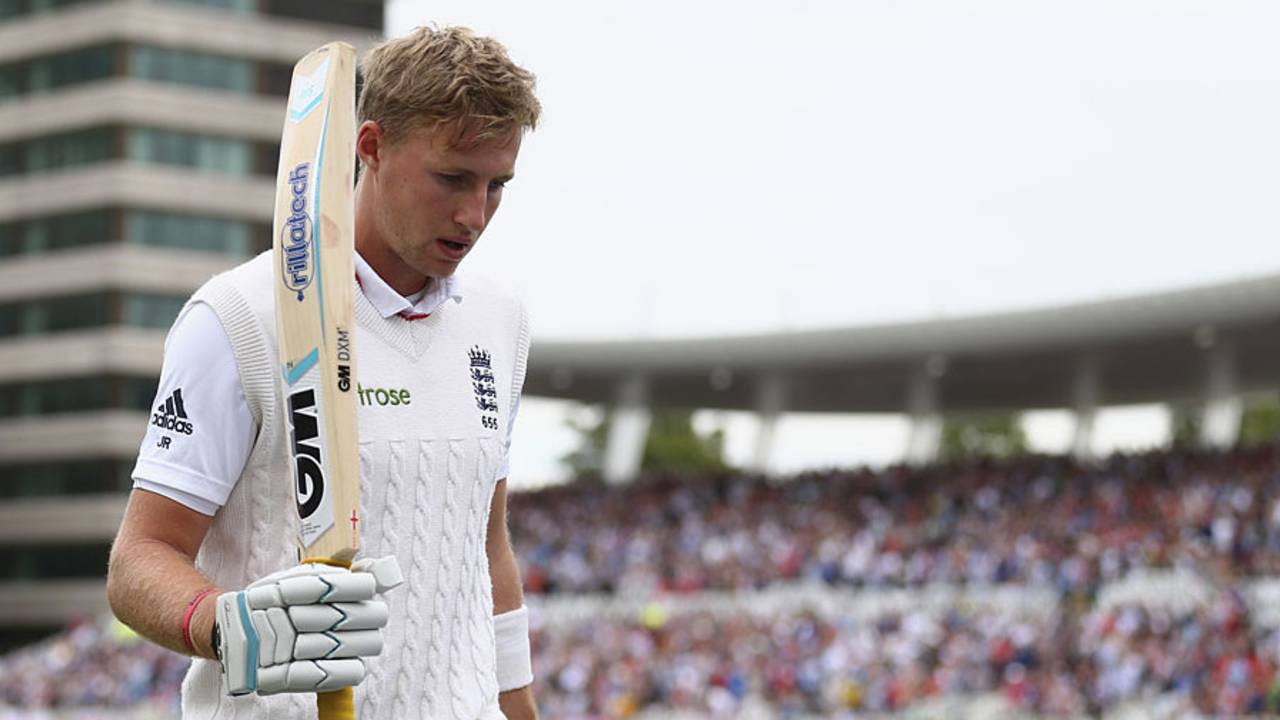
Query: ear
[370,142]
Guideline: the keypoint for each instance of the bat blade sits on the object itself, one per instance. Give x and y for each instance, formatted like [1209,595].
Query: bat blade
[314,241]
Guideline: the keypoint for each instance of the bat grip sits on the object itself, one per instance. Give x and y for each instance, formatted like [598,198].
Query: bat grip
[338,704]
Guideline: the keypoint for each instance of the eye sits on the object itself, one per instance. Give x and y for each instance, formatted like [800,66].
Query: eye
[497,185]
[451,179]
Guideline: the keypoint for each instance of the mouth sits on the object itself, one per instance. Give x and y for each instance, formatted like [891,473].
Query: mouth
[453,249]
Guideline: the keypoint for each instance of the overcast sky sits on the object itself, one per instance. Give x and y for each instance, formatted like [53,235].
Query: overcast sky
[727,167]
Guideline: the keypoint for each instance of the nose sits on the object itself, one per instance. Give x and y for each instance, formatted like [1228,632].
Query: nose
[471,211]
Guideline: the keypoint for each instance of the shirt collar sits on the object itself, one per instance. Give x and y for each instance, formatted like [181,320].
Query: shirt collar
[388,302]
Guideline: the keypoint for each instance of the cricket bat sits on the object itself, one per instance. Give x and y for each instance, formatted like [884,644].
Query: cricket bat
[313,246]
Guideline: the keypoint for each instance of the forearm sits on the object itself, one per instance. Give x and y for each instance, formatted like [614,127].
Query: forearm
[149,586]
[518,704]
[508,594]
[504,572]
[510,632]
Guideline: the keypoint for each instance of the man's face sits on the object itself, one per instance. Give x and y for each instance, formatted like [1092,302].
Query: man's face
[434,201]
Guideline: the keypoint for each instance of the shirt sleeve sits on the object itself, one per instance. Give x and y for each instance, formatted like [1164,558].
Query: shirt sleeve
[201,430]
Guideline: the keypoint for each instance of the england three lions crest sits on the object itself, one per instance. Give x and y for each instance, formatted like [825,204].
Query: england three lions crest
[484,386]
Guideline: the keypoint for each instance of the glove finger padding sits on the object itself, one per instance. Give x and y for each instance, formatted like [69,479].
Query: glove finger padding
[276,636]
[316,646]
[304,629]
[339,616]
[310,676]
[330,588]
[385,571]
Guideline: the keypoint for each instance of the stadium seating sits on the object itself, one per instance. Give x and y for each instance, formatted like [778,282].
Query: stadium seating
[1144,585]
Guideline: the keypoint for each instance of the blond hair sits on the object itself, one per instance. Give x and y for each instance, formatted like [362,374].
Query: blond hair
[446,78]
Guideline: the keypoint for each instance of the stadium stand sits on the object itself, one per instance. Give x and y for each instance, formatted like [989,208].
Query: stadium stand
[1142,585]
[1042,521]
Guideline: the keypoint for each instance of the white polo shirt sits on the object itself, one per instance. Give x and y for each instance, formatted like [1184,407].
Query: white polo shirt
[200,396]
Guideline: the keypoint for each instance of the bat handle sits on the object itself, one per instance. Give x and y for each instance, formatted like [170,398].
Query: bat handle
[337,705]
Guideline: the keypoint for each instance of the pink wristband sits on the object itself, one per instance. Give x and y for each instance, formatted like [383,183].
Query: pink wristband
[190,612]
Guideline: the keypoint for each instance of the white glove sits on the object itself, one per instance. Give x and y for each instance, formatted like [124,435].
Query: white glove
[305,629]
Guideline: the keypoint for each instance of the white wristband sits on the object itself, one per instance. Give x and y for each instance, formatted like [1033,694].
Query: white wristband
[511,641]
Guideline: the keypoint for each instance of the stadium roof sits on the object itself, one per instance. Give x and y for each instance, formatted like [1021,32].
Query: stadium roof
[1148,348]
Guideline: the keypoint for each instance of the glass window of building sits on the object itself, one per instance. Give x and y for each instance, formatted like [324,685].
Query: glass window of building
[51,72]
[10,80]
[10,159]
[54,152]
[149,228]
[236,6]
[18,8]
[190,232]
[57,232]
[82,147]
[147,62]
[50,315]
[275,80]
[58,314]
[66,231]
[42,316]
[53,562]
[225,155]
[64,477]
[365,14]
[75,394]
[192,68]
[146,310]
[11,238]
[231,156]
[51,397]
[137,393]
[70,68]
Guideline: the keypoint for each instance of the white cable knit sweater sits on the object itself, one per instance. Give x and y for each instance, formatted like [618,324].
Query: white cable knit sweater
[434,397]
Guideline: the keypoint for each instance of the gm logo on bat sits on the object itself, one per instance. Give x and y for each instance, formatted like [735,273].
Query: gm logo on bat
[295,236]
[304,417]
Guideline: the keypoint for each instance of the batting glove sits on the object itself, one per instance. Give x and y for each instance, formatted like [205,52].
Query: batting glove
[305,629]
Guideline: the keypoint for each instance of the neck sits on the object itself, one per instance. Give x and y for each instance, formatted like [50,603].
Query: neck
[393,271]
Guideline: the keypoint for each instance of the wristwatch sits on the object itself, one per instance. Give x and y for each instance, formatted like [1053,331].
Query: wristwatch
[215,640]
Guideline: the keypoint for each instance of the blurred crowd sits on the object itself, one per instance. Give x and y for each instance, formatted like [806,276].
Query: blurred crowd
[1039,521]
[92,664]
[1043,523]
[1211,662]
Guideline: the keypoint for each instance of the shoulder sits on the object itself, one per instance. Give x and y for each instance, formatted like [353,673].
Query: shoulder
[481,290]
[242,298]
[244,302]
[249,275]
[497,308]
[245,286]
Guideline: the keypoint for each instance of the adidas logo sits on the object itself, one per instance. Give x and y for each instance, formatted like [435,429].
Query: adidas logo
[172,415]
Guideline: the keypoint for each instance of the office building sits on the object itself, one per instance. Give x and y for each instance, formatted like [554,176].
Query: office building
[138,146]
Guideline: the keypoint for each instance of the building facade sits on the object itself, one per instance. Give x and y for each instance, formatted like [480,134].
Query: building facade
[138,149]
